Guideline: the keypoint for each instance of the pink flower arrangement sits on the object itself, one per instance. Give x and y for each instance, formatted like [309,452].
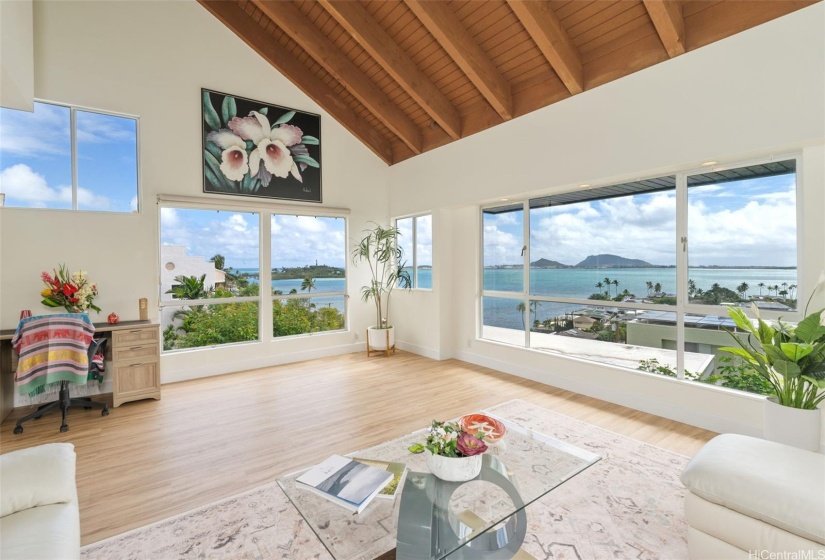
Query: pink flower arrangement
[73,291]
[449,440]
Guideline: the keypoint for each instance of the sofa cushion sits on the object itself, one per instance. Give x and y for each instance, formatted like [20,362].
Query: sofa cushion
[45,532]
[37,476]
[781,485]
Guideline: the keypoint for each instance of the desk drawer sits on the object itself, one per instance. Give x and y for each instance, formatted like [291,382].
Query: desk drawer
[135,336]
[137,353]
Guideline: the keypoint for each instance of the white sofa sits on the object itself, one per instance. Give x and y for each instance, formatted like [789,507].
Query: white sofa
[750,498]
[39,516]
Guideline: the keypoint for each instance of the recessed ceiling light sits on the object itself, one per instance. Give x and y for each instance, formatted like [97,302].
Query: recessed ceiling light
[504,199]
[584,185]
[706,163]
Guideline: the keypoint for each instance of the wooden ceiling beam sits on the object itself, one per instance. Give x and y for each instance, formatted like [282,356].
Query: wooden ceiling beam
[398,64]
[290,19]
[239,22]
[669,23]
[551,38]
[444,25]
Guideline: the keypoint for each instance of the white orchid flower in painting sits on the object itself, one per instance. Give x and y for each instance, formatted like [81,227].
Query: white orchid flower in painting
[234,161]
[271,146]
[275,156]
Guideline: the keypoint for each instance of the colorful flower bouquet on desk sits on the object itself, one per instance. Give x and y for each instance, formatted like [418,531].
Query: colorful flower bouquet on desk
[72,291]
[449,440]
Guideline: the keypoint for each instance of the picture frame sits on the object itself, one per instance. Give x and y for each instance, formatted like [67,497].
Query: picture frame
[252,148]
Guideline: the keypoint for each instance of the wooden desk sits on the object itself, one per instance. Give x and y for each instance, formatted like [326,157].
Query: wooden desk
[133,349]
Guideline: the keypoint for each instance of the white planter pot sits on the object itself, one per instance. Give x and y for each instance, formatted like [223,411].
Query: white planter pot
[792,426]
[381,339]
[454,469]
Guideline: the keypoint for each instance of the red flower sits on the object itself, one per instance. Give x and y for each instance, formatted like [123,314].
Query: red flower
[69,290]
[469,445]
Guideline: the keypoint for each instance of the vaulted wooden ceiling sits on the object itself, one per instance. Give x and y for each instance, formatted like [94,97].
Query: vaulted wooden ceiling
[409,76]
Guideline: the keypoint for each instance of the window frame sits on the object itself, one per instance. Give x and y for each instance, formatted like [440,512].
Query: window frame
[73,150]
[265,298]
[683,306]
[414,265]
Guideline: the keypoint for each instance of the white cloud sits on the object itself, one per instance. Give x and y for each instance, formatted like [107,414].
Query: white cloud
[44,133]
[25,187]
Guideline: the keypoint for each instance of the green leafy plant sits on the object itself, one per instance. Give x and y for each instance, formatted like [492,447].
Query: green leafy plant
[791,359]
[739,376]
[380,250]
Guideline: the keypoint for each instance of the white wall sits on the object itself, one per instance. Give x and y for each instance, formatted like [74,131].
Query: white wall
[150,59]
[754,94]
[16,55]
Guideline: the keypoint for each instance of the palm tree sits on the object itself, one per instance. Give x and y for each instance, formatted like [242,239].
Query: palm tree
[785,285]
[599,285]
[792,288]
[761,285]
[607,285]
[691,288]
[219,261]
[308,284]
[189,287]
[649,287]
[616,284]
[783,293]
[521,308]
[743,289]
[657,287]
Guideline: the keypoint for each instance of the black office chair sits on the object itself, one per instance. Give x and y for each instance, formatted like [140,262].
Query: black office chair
[64,401]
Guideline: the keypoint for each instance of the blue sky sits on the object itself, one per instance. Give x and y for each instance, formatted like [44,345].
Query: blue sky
[35,159]
[745,223]
[296,240]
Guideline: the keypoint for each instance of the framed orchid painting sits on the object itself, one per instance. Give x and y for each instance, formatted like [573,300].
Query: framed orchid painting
[252,148]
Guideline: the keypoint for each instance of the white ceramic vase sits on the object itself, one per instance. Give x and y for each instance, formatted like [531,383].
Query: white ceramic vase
[454,469]
[792,426]
[381,339]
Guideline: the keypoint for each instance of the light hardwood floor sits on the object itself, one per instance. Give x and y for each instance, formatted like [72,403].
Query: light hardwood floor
[212,438]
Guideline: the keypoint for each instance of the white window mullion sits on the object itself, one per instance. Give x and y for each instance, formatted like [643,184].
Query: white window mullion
[415,252]
[73,131]
[526,268]
[265,278]
[682,271]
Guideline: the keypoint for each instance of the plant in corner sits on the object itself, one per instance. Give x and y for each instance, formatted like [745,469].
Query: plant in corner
[379,249]
[792,360]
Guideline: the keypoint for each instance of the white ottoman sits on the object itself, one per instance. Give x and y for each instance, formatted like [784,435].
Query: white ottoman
[750,498]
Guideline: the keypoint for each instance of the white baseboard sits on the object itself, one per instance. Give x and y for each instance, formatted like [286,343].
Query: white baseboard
[257,362]
[431,353]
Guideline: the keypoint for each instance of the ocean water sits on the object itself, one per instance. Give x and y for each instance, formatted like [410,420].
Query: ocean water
[581,283]
[566,282]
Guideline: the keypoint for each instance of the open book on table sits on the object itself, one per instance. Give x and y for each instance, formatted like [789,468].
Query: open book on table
[346,482]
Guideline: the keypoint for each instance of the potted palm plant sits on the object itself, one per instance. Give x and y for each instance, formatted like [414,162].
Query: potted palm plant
[379,249]
[792,359]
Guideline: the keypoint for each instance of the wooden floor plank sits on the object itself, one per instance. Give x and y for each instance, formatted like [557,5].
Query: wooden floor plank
[211,438]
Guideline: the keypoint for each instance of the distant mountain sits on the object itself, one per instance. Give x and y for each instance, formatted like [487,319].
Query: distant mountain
[611,261]
[547,263]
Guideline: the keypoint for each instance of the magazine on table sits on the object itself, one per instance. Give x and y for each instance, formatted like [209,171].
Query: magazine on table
[346,482]
[398,470]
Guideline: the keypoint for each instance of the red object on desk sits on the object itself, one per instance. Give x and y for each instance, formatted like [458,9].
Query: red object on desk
[113,318]
[25,314]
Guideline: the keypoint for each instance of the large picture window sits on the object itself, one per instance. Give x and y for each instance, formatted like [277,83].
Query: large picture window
[212,280]
[415,239]
[628,275]
[64,157]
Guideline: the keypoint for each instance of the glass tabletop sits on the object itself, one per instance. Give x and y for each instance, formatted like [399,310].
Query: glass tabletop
[433,519]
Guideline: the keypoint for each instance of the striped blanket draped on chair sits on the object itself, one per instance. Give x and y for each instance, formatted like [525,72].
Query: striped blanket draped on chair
[52,348]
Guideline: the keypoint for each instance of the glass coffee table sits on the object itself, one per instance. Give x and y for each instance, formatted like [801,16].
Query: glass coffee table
[483,518]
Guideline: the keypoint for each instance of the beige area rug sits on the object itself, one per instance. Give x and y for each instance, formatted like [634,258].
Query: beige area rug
[628,505]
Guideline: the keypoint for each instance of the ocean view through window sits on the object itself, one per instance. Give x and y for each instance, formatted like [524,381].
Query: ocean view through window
[606,274]
[415,239]
[211,276]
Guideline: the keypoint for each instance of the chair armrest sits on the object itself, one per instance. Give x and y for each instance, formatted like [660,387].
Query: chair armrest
[37,476]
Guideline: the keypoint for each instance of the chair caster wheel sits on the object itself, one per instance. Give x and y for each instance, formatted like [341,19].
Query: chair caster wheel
[64,428]
[18,429]
[104,412]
